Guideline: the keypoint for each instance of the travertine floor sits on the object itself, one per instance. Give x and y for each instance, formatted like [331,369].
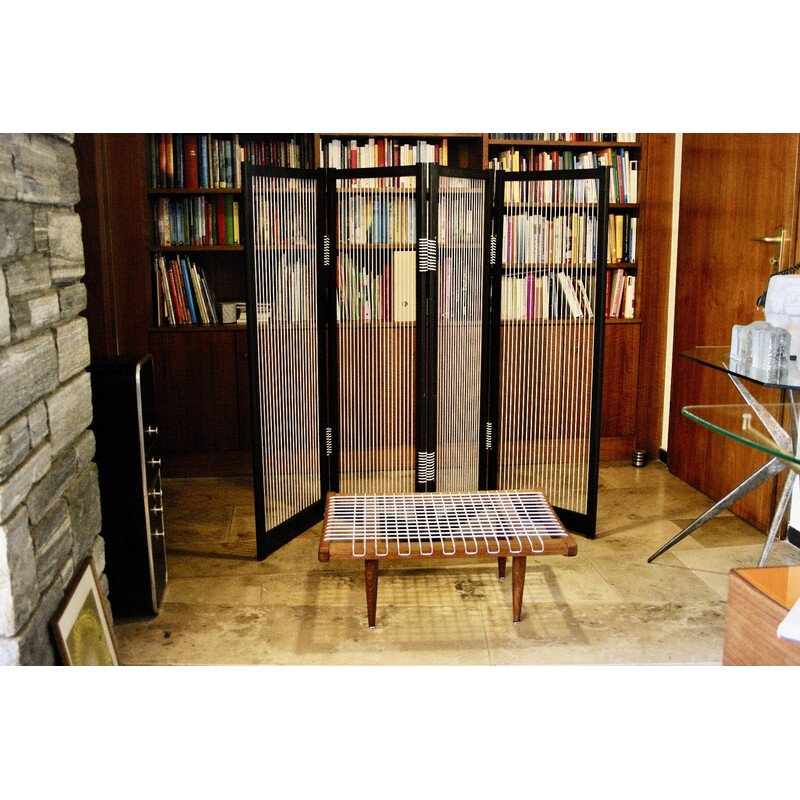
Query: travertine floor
[607,605]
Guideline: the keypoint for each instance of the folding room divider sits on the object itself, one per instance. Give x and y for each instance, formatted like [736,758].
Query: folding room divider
[423,328]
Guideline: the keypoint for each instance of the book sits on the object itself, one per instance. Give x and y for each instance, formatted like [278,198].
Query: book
[180,175]
[159,300]
[568,289]
[235,218]
[166,293]
[222,235]
[583,296]
[404,289]
[190,160]
[175,291]
[202,162]
[170,162]
[228,220]
[628,303]
[199,300]
[616,293]
[542,304]
[187,282]
[521,298]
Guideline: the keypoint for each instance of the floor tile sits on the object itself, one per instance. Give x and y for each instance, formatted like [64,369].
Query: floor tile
[581,633]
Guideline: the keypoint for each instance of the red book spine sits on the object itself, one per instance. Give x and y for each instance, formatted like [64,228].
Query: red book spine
[162,161]
[190,160]
[170,163]
[173,290]
[221,235]
[182,289]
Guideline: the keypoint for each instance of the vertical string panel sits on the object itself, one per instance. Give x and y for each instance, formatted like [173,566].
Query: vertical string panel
[459,320]
[285,280]
[376,325]
[547,337]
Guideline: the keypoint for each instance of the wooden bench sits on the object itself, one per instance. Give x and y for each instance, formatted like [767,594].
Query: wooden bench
[501,524]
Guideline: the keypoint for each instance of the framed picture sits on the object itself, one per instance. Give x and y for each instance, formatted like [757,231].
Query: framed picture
[81,626]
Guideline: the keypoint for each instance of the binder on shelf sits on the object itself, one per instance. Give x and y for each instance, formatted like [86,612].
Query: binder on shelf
[404,288]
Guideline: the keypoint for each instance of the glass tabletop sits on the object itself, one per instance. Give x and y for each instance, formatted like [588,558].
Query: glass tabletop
[720,358]
[740,422]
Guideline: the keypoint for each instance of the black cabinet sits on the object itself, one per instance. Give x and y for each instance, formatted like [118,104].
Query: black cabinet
[129,468]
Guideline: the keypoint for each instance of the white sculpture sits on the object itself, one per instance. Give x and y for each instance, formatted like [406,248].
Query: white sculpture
[782,307]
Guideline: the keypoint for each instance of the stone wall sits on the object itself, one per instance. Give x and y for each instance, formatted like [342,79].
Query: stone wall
[49,498]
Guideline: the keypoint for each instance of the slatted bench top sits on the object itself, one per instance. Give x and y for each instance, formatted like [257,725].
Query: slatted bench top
[440,525]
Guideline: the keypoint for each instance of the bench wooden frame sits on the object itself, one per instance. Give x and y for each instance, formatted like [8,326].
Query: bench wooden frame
[355,527]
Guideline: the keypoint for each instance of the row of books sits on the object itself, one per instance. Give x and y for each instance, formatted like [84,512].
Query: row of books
[378,292]
[620,294]
[386,292]
[211,161]
[568,137]
[559,294]
[549,295]
[623,185]
[183,295]
[459,291]
[196,221]
[556,238]
[622,238]
[377,219]
[285,217]
[381,152]
[290,292]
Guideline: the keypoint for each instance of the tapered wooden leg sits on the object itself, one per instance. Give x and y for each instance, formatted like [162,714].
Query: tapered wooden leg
[517,584]
[501,567]
[371,582]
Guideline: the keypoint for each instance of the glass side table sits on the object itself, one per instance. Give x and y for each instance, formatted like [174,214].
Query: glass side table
[755,425]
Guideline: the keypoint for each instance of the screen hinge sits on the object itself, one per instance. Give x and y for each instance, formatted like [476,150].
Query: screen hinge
[426,467]
[427,255]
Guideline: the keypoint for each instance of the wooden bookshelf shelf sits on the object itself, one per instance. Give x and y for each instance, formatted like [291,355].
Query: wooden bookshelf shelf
[191,192]
[199,328]
[557,144]
[205,248]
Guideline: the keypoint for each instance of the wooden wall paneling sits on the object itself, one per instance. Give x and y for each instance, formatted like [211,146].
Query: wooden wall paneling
[100,313]
[243,390]
[113,183]
[734,188]
[196,389]
[621,370]
[655,221]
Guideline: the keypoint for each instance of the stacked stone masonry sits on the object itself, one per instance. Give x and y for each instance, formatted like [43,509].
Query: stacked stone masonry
[49,497]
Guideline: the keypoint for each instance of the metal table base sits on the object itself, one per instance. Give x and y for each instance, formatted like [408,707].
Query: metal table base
[784,442]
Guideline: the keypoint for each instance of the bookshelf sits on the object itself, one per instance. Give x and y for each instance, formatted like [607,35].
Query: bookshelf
[201,369]
[634,342]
